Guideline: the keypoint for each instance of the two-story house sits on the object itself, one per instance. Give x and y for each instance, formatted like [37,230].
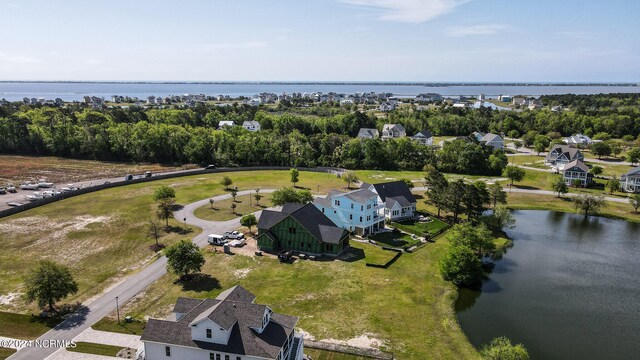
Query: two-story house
[359,211]
[229,327]
[578,140]
[393,131]
[576,170]
[492,140]
[424,137]
[630,182]
[251,125]
[560,155]
[302,228]
[399,202]
[367,133]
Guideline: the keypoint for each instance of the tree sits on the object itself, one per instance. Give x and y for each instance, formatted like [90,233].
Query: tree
[184,258]
[634,200]
[497,194]
[613,184]
[476,237]
[501,349]
[211,203]
[461,266]
[436,189]
[249,221]
[165,209]
[601,149]
[294,176]
[257,196]
[350,177]
[409,183]
[226,182]
[474,197]
[576,183]
[503,218]
[288,195]
[49,283]
[154,230]
[633,155]
[588,203]
[541,143]
[616,149]
[233,207]
[596,170]
[454,198]
[560,186]
[513,173]
[163,193]
[234,193]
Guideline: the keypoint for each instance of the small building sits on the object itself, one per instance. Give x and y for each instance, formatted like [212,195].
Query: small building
[359,211]
[230,327]
[225,123]
[399,202]
[630,182]
[492,140]
[254,101]
[578,140]
[560,155]
[577,170]
[251,125]
[366,133]
[505,98]
[424,137]
[393,131]
[302,228]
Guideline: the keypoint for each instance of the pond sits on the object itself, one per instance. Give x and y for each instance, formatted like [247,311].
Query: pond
[568,289]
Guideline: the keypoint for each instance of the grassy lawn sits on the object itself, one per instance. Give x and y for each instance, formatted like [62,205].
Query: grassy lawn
[22,326]
[221,210]
[408,306]
[528,160]
[420,228]
[612,169]
[6,352]
[374,254]
[96,349]
[395,240]
[330,355]
[110,324]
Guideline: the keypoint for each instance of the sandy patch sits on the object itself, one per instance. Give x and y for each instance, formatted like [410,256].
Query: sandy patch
[366,341]
[9,298]
[306,335]
[241,273]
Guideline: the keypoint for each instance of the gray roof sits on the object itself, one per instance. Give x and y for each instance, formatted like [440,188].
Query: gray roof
[250,123]
[366,132]
[309,217]
[404,202]
[395,190]
[634,171]
[426,133]
[239,316]
[577,163]
[361,196]
[184,305]
[490,137]
[569,152]
[389,127]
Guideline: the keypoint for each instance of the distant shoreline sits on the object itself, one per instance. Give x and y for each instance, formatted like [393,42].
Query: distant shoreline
[376,83]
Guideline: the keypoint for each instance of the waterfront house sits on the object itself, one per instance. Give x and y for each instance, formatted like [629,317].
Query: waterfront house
[560,155]
[230,327]
[251,125]
[424,137]
[492,140]
[366,133]
[302,228]
[393,131]
[576,170]
[360,211]
[399,202]
[630,182]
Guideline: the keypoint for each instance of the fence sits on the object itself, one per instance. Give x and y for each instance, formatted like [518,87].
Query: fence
[390,262]
[90,189]
[349,350]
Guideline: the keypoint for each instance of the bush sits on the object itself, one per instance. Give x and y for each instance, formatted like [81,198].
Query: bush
[461,266]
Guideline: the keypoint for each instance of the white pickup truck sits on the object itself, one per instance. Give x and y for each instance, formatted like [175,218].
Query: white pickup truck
[233,235]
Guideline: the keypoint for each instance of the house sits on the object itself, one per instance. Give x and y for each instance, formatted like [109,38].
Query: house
[393,131]
[302,228]
[493,140]
[424,137]
[254,101]
[429,97]
[560,155]
[387,106]
[482,97]
[505,98]
[225,123]
[577,170]
[630,182]
[251,125]
[359,211]
[519,101]
[230,327]
[151,99]
[366,133]
[578,140]
[399,202]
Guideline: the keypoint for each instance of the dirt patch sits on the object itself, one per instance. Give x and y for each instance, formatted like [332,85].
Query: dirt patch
[306,335]
[241,273]
[365,341]
[9,298]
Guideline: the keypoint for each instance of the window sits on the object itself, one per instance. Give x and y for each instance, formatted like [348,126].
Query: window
[292,230]
[208,333]
[369,207]
[337,202]
[226,357]
[350,216]
[212,356]
[323,210]
[360,218]
[361,207]
[238,358]
[217,356]
[167,351]
[352,206]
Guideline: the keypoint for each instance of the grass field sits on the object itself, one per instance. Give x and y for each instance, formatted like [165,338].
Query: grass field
[96,349]
[108,324]
[330,355]
[23,326]
[221,210]
[420,228]
[5,353]
[16,169]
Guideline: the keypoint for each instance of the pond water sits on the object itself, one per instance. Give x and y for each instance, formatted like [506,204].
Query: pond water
[568,289]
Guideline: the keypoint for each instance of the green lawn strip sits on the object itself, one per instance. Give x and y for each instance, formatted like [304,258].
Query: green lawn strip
[421,227]
[397,240]
[6,352]
[221,210]
[374,254]
[330,355]
[24,326]
[111,325]
[95,349]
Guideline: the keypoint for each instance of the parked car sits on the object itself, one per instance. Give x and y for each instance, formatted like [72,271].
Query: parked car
[285,255]
[210,167]
[215,239]
[237,243]
[233,235]
[147,174]
[11,188]
[3,191]
[128,177]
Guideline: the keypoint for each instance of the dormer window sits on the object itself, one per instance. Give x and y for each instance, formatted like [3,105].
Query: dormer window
[209,335]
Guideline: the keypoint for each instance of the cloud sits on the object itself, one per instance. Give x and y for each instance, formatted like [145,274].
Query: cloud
[489,29]
[410,11]
[19,59]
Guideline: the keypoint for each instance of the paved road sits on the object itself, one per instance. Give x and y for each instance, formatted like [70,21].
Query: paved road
[132,285]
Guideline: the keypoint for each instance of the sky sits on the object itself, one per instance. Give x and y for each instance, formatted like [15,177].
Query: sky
[321,40]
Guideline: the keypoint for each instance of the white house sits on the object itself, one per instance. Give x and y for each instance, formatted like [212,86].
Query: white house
[366,133]
[388,106]
[578,140]
[254,101]
[429,97]
[560,155]
[393,131]
[576,170]
[225,123]
[399,202]
[493,140]
[229,327]
[360,211]
[424,137]
[630,182]
[251,125]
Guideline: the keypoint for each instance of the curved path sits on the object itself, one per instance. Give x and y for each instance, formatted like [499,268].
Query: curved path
[130,286]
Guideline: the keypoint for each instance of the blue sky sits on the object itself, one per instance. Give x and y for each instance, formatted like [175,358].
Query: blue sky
[325,40]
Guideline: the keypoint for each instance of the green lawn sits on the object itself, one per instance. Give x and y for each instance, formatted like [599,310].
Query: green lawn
[392,239]
[109,324]
[221,210]
[374,254]
[96,349]
[330,355]
[420,228]
[22,326]
[6,352]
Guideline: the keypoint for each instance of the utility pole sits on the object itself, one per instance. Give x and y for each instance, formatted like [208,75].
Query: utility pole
[118,310]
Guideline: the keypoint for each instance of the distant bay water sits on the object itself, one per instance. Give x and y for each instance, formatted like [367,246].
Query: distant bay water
[70,91]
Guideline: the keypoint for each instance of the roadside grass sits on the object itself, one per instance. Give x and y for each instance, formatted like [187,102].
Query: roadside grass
[6,352]
[221,210]
[407,306]
[393,239]
[111,324]
[95,349]
[330,355]
[24,326]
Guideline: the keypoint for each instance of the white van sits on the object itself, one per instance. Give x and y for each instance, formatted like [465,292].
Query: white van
[215,239]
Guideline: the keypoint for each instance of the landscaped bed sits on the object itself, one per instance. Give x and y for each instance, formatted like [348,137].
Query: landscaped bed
[95,349]
[421,228]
